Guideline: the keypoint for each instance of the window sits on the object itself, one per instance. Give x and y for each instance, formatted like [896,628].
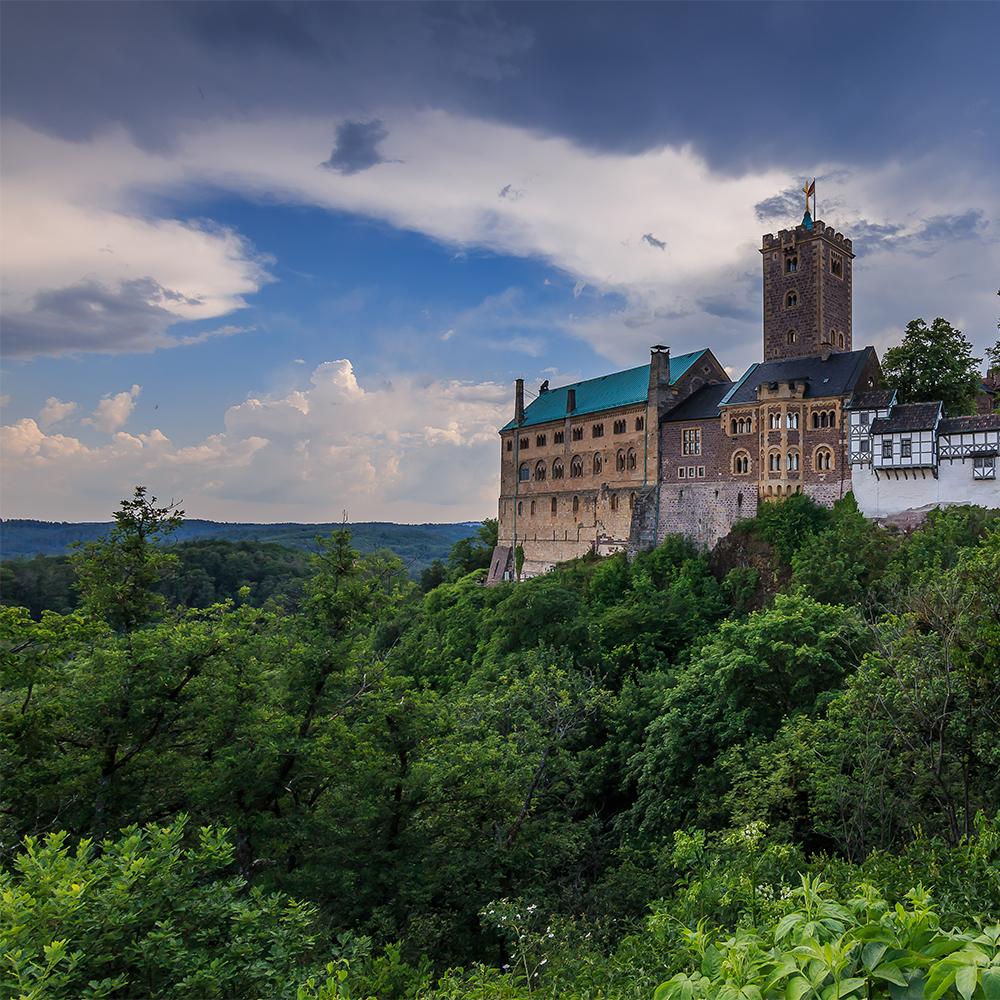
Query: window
[532,508]
[640,423]
[614,501]
[792,461]
[577,433]
[631,501]
[701,471]
[554,506]
[691,471]
[791,336]
[866,447]
[598,430]
[732,427]
[598,463]
[520,506]
[557,469]
[836,265]
[792,421]
[741,463]
[524,443]
[630,458]
[510,443]
[558,437]
[576,505]
[823,460]
[887,448]
[540,440]
[524,473]
[791,264]
[539,472]
[865,419]
[681,472]
[841,341]
[691,441]
[984,467]
[620,426]
[774,461]
[774,421]
[906,448]
[791,300]
[576,467]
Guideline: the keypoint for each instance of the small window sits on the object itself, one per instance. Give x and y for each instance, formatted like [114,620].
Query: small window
[539,472]
[691,441]
[598,430]
[598,463]
[984,467]
[640,423]
[614,501]
[577,433]
[732,427]
[701,471]
[557,469]
[576,505]
[524,444]
[866,418]
[792,421]
[824,460]
[887,448]
[741,463]
[532,508]
[866,447]
[691,472]
[520,506]
[906,448]
[540,440]
[554,506]
[576,467]
[631,501]
[792,461]
[774,461]
[681,472]
[791,264]
[510,444]
[841,341]
[630,458]
[791,336]
[620,426]
[524,473]
[791,300]
[774,421]
[836,265]
[558,437]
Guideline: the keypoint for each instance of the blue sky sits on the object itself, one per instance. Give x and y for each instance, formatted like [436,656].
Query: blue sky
[280,261]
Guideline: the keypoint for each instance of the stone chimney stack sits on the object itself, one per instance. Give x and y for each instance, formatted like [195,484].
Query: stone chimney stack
[570,400]
[519,401]
[659,367]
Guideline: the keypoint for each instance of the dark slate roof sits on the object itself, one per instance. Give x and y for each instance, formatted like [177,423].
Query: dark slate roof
[979,422]
[604,393]
[834,377]
[703,404]
[908,417]
[872,399]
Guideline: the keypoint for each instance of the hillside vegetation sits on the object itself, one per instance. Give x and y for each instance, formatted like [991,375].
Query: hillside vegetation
[769,771]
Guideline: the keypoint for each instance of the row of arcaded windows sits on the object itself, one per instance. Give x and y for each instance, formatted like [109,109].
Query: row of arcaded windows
[822,461]
[596,430]
[530,507]
[624,461]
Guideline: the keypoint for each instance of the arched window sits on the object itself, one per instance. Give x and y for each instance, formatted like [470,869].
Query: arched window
[791,336]
[557,469]
[741,463]
[614,501]
[815,420]
[791,264]
[733,424]
[631,458]
[532,508]
[576,467]
[576,505]
[631,501]
[791,300]
[520,506]
[524,473]
[792,461]
[555,506]
[792,421]
[598,463]
[620,461]
[640,423]
[539,472]
[823,460]
[774,421]
[774,461]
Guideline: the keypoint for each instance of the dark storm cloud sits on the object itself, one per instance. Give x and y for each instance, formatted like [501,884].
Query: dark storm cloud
[356,147]
[92,317]
[736,89]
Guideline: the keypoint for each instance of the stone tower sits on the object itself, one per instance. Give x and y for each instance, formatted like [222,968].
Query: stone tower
[807,291]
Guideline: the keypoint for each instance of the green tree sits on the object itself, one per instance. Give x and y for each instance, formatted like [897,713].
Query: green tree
[934,363]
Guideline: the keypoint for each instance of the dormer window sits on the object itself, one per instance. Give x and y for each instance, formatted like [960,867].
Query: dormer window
[791,300]
[791,264]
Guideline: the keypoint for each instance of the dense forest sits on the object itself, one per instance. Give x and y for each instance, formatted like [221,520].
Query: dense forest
[772,770]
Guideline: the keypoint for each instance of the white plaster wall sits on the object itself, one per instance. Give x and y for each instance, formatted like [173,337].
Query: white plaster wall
[886,496]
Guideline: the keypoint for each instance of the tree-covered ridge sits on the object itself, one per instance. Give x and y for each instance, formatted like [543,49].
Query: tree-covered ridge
[579,785]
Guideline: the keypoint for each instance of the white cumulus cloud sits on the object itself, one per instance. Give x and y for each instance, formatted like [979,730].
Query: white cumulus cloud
[112,412]
[54,411]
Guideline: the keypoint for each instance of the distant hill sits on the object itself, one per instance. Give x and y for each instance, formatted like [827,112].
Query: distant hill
[416,544]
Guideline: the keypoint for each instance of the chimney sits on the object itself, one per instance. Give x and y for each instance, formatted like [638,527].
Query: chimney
[570,400]
[519,401]
[659,367]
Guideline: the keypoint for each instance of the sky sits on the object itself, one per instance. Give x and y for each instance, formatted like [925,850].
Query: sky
[283,262]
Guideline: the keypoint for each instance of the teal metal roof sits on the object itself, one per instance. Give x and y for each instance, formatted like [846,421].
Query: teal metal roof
[604,393]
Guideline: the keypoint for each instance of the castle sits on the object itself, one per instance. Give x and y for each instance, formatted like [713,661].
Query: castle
[676,447]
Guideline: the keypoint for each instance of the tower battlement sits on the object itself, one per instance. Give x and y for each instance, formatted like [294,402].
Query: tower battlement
[801,234]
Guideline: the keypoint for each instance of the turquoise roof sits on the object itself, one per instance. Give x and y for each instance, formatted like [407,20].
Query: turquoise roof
[604,393]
